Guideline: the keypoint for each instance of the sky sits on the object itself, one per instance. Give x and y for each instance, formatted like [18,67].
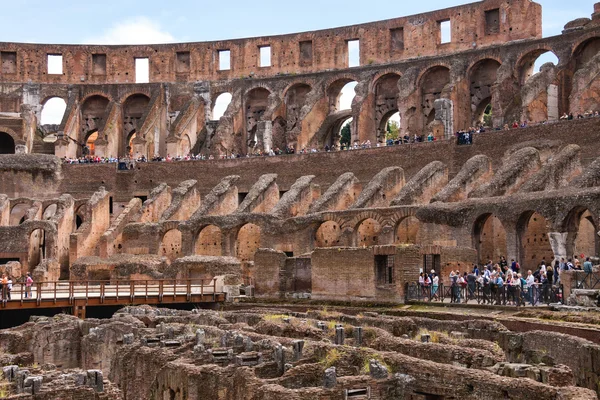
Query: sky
[153,21]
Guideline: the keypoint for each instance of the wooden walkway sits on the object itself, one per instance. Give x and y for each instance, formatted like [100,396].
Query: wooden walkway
[79,294]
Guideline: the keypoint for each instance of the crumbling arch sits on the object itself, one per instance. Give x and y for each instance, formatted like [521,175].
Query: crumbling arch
[7,143]
[170,245]
[431,85]
[134,108]
[581,227]
[386,95]
[90,142]
[221,103]
[37,248]
[482,78]
[530,63]
[248,241]
[585,51]
[209,242]
[49,212]
[533,240]
[18,213]
[367,233]
[341,94]
[489,238]
[257,102]
[93,115]
[295,99]
[328,234]
[407,230]
[53,111]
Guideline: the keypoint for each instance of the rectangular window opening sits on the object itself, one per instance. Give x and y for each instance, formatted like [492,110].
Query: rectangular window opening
[224,60]
[265,56]
[183,62]
[384,270]
[492,21]
[142,70]
[99,64]
[9,62]
[397,40]
[55,64]
[445,31]
[306,53]
[353,53]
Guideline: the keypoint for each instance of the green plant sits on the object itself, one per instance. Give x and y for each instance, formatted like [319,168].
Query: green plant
[331,358]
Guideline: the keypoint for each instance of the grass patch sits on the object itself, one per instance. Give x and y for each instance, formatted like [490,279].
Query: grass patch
[331,358]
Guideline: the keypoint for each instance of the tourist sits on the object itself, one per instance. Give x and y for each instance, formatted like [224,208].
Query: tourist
[28,284]
[471,283]
[9,285]
[550,274]
[530,281]
[436,284]
[587,266]
[3,287]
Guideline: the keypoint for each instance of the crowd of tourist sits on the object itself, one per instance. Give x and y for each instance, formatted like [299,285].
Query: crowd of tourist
[502,283]
[462,137]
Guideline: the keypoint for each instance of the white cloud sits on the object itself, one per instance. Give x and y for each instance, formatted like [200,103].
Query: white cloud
[137,30]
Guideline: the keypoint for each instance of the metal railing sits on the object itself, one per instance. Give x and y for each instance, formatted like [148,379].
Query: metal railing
[585,280]
[537,294]
[117,290]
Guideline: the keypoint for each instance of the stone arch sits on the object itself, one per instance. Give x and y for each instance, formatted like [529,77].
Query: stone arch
[489,238]
[170,244]
[432,85]
[585,49]
[482,78]
[406,230]
[93,114]
[49,211]
[581,226]
[18,213]
[295,97]
[248,241]
[209,241]
[334,92]
[137,91]
[533,240]
[53,110]
[7,143]
[367,232]
[134,107]
[525,65]
[38,247]
[328,234]
[220,102]
[386,95]
[256,103]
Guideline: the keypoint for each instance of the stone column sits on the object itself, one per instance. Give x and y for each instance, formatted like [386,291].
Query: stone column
[558,242]
[264,130]
[444,112]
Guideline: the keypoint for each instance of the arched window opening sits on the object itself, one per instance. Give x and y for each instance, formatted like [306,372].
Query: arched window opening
[391,128]
[90,143]
[37,248]
[533,62]
[586,244]
[17,214]
[221,104]
[386,106]
[170,246]
[248,242]
[407,231]
[328,235]
[49,212]
[482,79]
[341,94]
[208,242]
[7,144]
[489,237]
[53,111]
[432,84]
[257,102]
[367,233]
[534,241]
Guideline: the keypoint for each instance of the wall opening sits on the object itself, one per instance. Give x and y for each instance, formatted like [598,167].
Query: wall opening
[182,62]
[7,144]
[224,60]
[367,233]
[142,70]
[328,235]
[55,64]
[532,63]
[346,96]
[445,31]
[17,214]
[384,270]
[492,22]
[306,53]
[170,245]
[8,60]
[353,53]
[248,242]
[407,231]
[37,248]
[221,104]
[90,143]
[98,64]
[532,230]
[489,237]
[53,111]
[396,40]
[208,242]
[265,56]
